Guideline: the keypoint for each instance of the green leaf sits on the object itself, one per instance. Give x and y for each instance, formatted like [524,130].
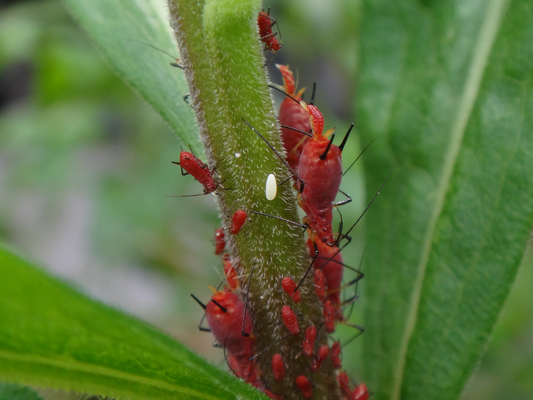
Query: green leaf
[10,391]
[447,89]
[124,30]
[52,336]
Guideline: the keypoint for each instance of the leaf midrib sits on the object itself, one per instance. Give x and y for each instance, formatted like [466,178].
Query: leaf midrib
[485,41]
[98,370]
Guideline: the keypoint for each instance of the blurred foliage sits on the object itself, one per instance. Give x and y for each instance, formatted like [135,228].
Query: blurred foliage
[85,166]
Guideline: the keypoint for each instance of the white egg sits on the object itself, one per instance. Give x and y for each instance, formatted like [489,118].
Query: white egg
[271,188]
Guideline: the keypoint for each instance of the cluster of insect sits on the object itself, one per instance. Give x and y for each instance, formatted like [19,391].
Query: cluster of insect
[309,153]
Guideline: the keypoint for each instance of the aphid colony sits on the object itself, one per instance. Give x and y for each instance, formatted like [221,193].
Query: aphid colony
[316,166]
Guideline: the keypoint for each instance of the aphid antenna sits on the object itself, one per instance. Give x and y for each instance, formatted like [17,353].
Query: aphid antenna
[359,156]
[270,346]
[325,154]
[283,92]
[243,333]
[297,130]
[346,137]
[309,268]
[359,328]
[312,101]
[275,152]
[174,64]
[195,195]
[280,218]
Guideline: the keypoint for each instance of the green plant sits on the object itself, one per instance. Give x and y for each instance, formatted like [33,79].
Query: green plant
[447,89]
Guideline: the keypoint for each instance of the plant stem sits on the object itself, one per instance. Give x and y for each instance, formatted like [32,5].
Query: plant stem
[223,63]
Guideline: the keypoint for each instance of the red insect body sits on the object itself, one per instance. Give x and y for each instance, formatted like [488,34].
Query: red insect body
[278,367]
[265,23]
[309,341]
[320,285]
[335,355]
[226,325]
[344,383]
[360,393]
[290,288]
[290,320]
[332,269]
[231,276]
[323,353]
[321,174]
[294,115]
[220,241]
[305,386]
[329,316]
[237,221]
[200,171]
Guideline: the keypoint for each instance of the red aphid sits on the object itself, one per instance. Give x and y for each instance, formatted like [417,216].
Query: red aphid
[320,285]
[344,383]
[360,393]
[289,287]
[335,355]
[272,396]
[290,320]
[330,262]
[265,23]
[220,241]
[231,276]
[237,221]
[278,367]
[200,171]
[309,341]
[305,387]
[320,170]
[323,353]
[294,115]
[224,314]
[329,316]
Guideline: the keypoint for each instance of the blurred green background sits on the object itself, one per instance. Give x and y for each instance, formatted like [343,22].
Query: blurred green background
[86,180]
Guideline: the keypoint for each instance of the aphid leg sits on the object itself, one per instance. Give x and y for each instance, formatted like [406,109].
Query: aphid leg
[200,327]
[310,266]
[343,202]
[270,346]
[304,226]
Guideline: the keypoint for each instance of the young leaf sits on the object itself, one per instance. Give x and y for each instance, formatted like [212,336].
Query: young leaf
[124,31]
[52,336]
[448,87]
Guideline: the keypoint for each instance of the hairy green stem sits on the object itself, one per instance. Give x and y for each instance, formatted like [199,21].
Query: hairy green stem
[223,62]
